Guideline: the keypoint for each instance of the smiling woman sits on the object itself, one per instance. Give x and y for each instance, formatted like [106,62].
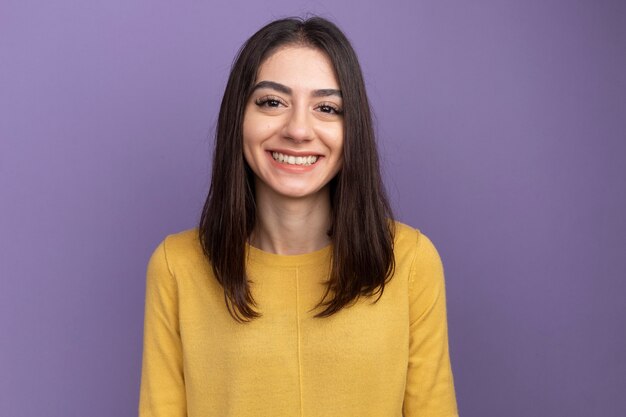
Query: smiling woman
[297,295]
[293,127]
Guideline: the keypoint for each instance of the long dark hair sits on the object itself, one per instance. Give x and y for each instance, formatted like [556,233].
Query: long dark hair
[362,228]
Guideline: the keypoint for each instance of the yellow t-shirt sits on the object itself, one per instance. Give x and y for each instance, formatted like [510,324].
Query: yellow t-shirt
[383,359]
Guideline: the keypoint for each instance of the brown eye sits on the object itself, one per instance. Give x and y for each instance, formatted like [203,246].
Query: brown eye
[271,102]
[329,109]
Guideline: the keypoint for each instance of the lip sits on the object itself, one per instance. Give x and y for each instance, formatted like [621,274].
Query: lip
[293,168]
[294,153]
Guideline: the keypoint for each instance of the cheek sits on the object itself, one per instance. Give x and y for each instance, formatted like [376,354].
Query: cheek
[248,131]
[334,138]
[340,141]
[247,155]
[256,130]
[249,139]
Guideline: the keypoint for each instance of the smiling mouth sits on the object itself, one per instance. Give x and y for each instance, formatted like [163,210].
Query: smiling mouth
[294,160]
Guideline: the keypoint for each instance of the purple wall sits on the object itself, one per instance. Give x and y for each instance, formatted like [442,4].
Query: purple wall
[503,134]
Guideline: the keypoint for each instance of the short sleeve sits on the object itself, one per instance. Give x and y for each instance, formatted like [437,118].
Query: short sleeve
[162,392]
[430,386]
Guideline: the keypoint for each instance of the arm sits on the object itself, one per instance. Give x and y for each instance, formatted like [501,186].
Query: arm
[430,386]
[162,392]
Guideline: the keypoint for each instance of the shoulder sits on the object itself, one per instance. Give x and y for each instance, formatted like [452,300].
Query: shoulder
[181,249]
[421,262]
[418,258]
[413,243]
[184,240]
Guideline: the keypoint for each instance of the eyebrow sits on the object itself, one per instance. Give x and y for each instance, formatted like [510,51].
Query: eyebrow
[324,92]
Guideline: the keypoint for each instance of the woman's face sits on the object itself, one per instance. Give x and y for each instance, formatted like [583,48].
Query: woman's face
[293,123]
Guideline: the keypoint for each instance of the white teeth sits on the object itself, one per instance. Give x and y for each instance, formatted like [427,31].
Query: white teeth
[294,160]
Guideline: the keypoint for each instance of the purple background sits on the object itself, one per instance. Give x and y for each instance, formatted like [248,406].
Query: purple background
[502,129]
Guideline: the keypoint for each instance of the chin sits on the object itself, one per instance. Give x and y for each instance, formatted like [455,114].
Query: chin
[297,192]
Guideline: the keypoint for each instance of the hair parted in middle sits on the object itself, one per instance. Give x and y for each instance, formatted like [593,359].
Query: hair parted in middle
[362,229]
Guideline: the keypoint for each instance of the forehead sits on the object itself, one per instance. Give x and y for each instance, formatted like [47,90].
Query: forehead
[299,67]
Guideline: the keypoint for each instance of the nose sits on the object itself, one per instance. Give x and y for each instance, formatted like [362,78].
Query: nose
[298,127]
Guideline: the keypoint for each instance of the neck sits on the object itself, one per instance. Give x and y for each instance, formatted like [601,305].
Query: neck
[291,226]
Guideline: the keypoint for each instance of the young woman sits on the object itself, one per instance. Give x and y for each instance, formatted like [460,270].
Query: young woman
[297,295]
